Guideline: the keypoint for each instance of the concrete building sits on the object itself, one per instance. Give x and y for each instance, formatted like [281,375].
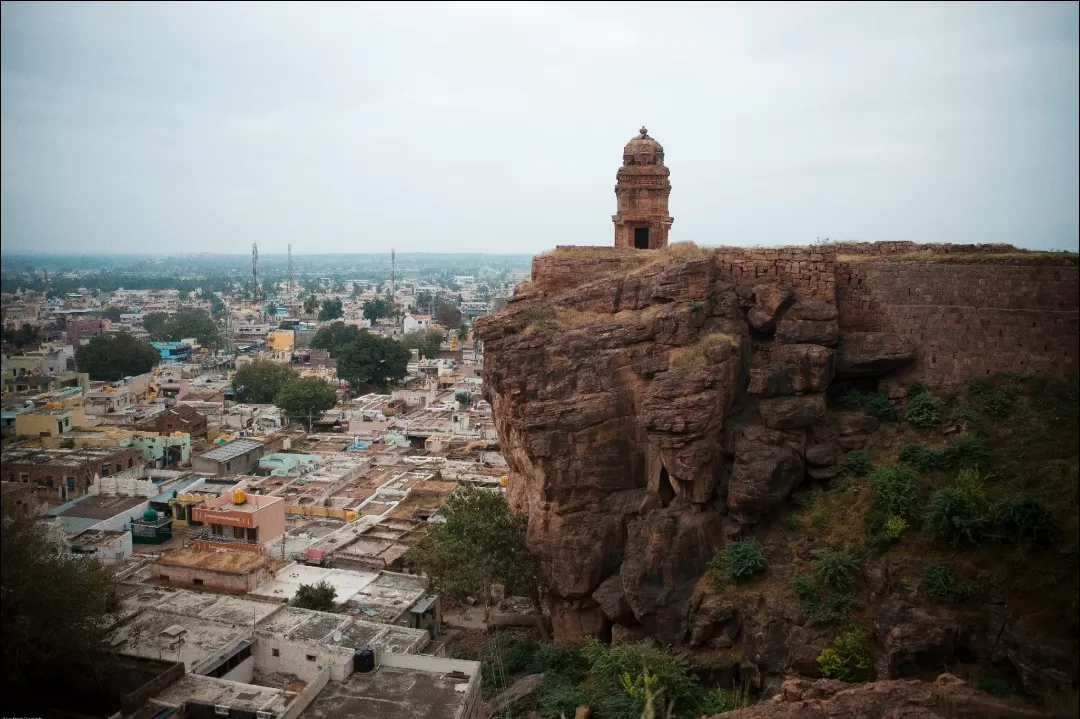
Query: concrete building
[180,418]
[227,572]
[51,422]
[239,456]
[108,546]
[412,323]
[68,473]
[240,521]
[78,328]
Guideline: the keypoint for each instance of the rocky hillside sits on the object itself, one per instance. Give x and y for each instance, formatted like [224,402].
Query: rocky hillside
[710,449]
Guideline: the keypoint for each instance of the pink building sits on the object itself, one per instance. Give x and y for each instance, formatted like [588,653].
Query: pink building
[240,521]
[79,327]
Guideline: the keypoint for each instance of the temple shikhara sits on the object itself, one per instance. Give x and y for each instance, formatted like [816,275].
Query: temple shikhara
[642,189]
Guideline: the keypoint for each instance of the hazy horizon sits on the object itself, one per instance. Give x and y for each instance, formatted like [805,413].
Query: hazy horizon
[169,128]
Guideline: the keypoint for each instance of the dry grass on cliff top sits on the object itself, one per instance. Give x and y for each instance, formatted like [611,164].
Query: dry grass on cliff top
[1019,257]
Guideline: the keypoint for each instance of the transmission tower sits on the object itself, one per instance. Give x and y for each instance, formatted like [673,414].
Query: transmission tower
[255,275]
[393,275]
[290,275]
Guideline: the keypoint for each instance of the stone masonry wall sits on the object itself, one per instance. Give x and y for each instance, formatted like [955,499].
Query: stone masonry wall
[967,320]
[1002,310]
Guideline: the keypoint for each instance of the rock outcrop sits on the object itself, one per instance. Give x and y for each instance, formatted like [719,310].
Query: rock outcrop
[948,697]
[652,411]
[654,406]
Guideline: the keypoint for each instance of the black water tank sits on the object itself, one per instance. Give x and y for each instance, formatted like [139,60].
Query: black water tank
[363,660]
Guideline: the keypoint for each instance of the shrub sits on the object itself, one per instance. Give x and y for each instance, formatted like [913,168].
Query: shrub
[997,404]
[953,516]
[848,659]
[1016,376]
[743,559]
[894,491]
[920,456]
[1024,518]
[979,387]
[965,451]
[878,405]
[894,527]
[856,463]
[917,387]
[804,588]
[938,582]
[852,399]
[962,412]
[820,608]
[924,410]
[835,568]
[315,596]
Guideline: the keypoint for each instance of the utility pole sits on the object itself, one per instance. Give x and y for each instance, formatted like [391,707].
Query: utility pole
[290,274]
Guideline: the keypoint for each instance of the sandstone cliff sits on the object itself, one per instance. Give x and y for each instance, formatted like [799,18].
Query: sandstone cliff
[655,405]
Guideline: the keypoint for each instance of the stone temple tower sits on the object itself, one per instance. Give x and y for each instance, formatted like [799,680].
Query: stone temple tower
[642,188]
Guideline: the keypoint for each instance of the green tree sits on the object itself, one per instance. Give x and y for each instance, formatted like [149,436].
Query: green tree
[110,357]
[479,543]
[155,325]
[374,309]
[331,310]
[306,398]
[423,300]
[372,360]
[25,336]
[426,341]
[56,611]
[319,597]
[259,381]
[311,304]
[216,305]
[462,335]
[447,314]
[334,336]
[112,314]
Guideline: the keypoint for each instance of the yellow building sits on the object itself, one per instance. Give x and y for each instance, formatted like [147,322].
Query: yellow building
[280,340]
[50,420]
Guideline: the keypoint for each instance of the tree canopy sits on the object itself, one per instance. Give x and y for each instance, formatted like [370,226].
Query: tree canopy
[334,336]
[259,381]
[306,398]
[479,543]
[331,310]
[185,323]
[427,341]
[374,309]
[319,597]
[110,357]
[56,609]
[447,314]
[311,304]
[112,314]
[372,360]
[25,336]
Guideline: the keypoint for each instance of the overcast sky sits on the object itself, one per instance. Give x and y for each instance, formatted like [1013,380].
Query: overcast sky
[130,127]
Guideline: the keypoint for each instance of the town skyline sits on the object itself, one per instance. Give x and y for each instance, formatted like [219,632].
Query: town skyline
[499,127]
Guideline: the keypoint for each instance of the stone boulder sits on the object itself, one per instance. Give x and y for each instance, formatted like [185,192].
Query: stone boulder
[913,639]
[769,300]
[792,412]
[809,322]
[609,595]
[823,455]
[761,479]
[947,697]
[793,369]
[666,551]
[716,622]
[869,354]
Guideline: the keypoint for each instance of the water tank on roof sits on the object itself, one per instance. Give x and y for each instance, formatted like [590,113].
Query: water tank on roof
[238,496]
[504,480]
[364,660]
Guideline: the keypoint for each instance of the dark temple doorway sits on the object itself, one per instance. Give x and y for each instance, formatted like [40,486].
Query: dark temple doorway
[641,238]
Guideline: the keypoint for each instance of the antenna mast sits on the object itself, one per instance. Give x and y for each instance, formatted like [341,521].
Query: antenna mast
[290,275]
[255,276]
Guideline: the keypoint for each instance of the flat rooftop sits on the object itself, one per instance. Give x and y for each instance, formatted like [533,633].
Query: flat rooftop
[221,692]
[392,693]
[234,562]
[287,581]
[231,450]
[96,506]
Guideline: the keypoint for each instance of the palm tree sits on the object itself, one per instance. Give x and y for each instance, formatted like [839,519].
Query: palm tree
[463,334]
